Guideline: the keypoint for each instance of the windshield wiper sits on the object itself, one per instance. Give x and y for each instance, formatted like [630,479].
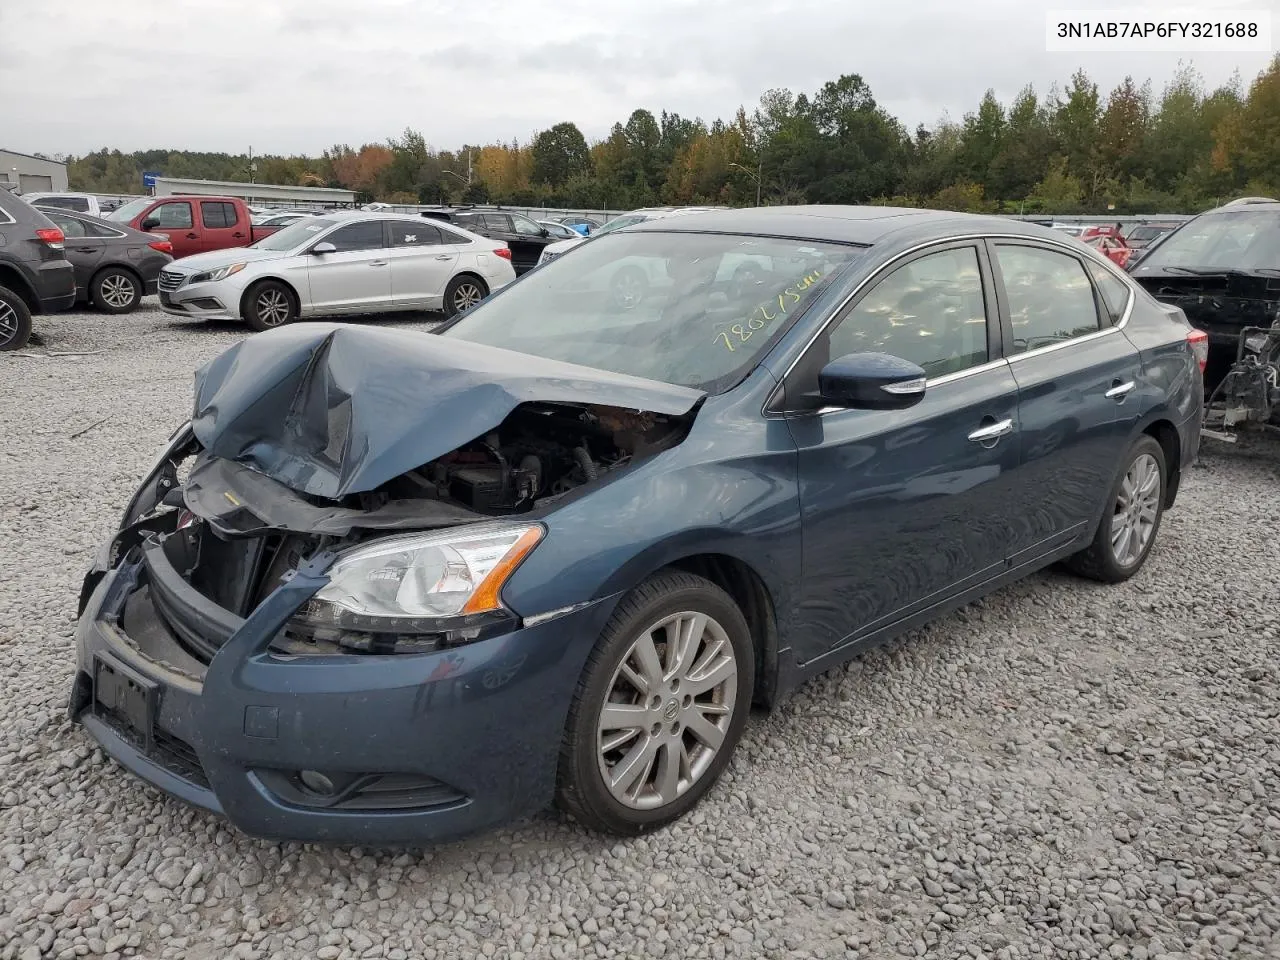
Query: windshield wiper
[1224,271]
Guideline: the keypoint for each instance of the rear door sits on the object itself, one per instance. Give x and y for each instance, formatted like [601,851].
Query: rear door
[176,220]
[83,249]
[222,225]
[421,264]
[526,241]
[356,277]
[1076,372]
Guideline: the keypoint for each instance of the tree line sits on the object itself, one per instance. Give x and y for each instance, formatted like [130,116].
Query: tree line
[1071,149]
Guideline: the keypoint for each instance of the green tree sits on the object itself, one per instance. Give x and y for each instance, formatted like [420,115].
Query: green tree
[559,154]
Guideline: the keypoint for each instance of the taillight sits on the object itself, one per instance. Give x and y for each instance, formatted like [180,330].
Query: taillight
[503,252]
[164,246]
[1198,341]
[52,237]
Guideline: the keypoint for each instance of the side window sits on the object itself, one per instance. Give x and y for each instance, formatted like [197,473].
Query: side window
[217,214]
[1050,297]
[93,230]
[498,221]
[172,216]
[1115,292]
[930,311]
[448,236]
[357,236]
[525,227]
[405,234]
[70,226]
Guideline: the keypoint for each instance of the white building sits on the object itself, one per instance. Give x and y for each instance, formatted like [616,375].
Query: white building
[259,194]
[30,174]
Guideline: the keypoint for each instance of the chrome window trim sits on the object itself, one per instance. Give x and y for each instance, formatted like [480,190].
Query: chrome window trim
[7,219]
[98,224]
[1071,248]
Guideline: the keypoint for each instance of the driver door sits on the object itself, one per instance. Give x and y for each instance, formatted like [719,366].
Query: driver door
[902,510]
[354,278]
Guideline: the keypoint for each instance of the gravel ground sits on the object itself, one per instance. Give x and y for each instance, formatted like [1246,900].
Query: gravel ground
[1062,770]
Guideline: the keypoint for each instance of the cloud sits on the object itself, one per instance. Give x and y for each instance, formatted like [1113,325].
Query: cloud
[291,76]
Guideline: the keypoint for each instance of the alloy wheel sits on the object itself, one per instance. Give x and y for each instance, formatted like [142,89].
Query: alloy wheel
[668,710]
[118,291]
[8,323]
[1137,508]
[467,296]
[273,307]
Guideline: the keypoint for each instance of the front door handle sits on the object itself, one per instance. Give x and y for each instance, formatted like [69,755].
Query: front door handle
[377,263]
[992,431]
[1120,390]
[445,256]
[238,236]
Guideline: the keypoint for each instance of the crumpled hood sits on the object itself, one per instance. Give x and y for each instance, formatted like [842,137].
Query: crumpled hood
[329,409]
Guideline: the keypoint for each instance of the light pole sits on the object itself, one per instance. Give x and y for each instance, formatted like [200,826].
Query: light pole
[758,176]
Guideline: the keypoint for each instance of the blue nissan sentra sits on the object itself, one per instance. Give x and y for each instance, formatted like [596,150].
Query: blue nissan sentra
[395,587]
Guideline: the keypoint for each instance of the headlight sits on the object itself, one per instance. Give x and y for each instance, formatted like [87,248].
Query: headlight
[441,587]
[212,276]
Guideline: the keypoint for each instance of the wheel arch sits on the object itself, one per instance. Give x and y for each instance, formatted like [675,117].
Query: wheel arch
[1162,430]
[12,277]
[257,281]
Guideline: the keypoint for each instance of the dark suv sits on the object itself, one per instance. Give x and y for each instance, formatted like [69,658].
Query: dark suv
[1223,269]
[523,237]
[35,276]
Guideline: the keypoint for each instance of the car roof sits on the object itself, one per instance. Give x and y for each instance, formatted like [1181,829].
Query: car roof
[1265,204]
[837,224]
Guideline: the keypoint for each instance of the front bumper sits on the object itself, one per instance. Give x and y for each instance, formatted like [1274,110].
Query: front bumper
[470,734]
[203,301]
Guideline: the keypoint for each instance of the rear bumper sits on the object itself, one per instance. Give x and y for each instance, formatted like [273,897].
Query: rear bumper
[476,728]
[55,285]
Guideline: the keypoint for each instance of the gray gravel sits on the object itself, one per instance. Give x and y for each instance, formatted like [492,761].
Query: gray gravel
[1062,770]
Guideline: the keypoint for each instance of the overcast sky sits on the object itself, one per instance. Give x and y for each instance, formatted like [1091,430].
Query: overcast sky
[289,76]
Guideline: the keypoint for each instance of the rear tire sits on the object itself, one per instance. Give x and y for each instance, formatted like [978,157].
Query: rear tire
[463,292]
[1131,520]
[115,290]
[660,707]
[15,321]
[269,304]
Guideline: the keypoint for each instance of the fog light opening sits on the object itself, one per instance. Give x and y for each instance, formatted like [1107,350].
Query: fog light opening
[317,782]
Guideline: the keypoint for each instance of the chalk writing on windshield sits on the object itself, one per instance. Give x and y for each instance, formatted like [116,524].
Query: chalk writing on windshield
[767,312]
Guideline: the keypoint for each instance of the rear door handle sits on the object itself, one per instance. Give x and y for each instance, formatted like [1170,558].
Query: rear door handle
[992,431]
[193,236]
[377,263]
[1120,390]
[444,256]
[238,235]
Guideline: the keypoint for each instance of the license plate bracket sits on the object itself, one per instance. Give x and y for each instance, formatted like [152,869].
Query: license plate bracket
[125,694]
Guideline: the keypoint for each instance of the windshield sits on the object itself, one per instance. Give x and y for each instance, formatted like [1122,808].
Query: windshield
[690,309]
[128,211]
[294,235]
[617,223]
[1235,240]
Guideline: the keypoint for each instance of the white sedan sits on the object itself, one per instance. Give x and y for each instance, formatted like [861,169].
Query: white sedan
[345,263]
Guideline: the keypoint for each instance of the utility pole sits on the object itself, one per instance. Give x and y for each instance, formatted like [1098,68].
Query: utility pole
[252,167]
[759,178]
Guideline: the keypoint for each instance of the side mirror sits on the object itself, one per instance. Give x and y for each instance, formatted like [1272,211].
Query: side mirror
[149,224]
[871,381]
[325,247]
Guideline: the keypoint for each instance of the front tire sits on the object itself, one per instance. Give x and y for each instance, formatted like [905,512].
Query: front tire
[15,321]
[463,292]
[269,304]
[660,707]
[114,290]
[1132,517]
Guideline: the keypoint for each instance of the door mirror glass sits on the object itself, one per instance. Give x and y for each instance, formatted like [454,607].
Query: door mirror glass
[150,224]
[871,381]
[325,247]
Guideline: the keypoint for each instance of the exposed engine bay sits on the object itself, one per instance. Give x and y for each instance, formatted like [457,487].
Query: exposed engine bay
[1248,396]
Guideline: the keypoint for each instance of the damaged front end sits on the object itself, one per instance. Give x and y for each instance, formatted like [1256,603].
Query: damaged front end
[1248,396]
[291,453]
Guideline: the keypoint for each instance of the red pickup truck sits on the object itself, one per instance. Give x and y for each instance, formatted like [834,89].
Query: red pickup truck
[193,224]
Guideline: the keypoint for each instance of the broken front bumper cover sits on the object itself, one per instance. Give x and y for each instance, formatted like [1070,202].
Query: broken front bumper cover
[402,748]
